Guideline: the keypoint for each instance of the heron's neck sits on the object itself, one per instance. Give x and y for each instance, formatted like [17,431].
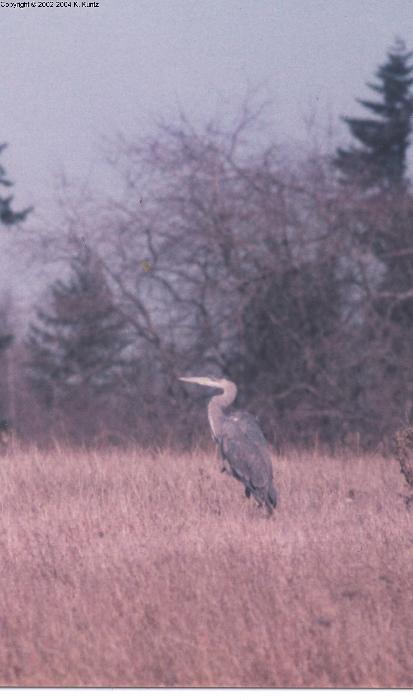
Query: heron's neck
[217,405]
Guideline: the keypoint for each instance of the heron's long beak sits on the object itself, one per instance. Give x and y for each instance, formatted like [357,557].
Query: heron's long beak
[192,380]
[204,381]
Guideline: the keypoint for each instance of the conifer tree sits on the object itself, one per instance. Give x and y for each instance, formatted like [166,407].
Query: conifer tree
[8,217]
[75,345]
[379,157]
[6,340]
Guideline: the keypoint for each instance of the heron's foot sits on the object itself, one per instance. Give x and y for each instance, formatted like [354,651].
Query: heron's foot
[247,492]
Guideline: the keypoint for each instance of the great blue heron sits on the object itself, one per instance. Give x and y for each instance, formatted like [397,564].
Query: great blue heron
[243,448]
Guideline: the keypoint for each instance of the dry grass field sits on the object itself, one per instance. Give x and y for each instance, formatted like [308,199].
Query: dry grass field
[138,569]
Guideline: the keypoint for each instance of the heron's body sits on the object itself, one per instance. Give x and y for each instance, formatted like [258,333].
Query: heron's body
[242,445]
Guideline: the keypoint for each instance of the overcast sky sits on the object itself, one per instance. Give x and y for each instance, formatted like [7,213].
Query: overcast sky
[71,76]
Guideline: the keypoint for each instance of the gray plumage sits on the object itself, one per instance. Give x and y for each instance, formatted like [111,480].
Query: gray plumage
[242,445]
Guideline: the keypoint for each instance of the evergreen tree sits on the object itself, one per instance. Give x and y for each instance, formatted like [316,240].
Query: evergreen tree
[380,157]
[6,340]
[8,217]
[76,345]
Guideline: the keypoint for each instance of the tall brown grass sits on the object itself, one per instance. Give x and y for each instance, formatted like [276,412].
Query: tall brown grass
[138,569]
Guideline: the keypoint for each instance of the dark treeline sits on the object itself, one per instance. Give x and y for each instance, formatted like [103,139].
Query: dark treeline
[291,276]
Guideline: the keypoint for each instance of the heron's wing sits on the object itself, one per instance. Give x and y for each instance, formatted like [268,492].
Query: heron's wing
[244,447]
[247,424]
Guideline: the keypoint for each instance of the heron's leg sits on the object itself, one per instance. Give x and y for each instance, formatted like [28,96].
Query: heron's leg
[258,500]
[225,466]
[248,493]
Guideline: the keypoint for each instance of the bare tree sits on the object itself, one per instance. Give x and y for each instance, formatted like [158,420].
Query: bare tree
[224,255]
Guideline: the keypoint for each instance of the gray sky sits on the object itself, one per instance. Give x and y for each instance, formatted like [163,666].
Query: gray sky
[71,76]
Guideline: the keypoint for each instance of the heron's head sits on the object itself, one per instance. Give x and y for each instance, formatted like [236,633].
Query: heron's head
[221,400]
